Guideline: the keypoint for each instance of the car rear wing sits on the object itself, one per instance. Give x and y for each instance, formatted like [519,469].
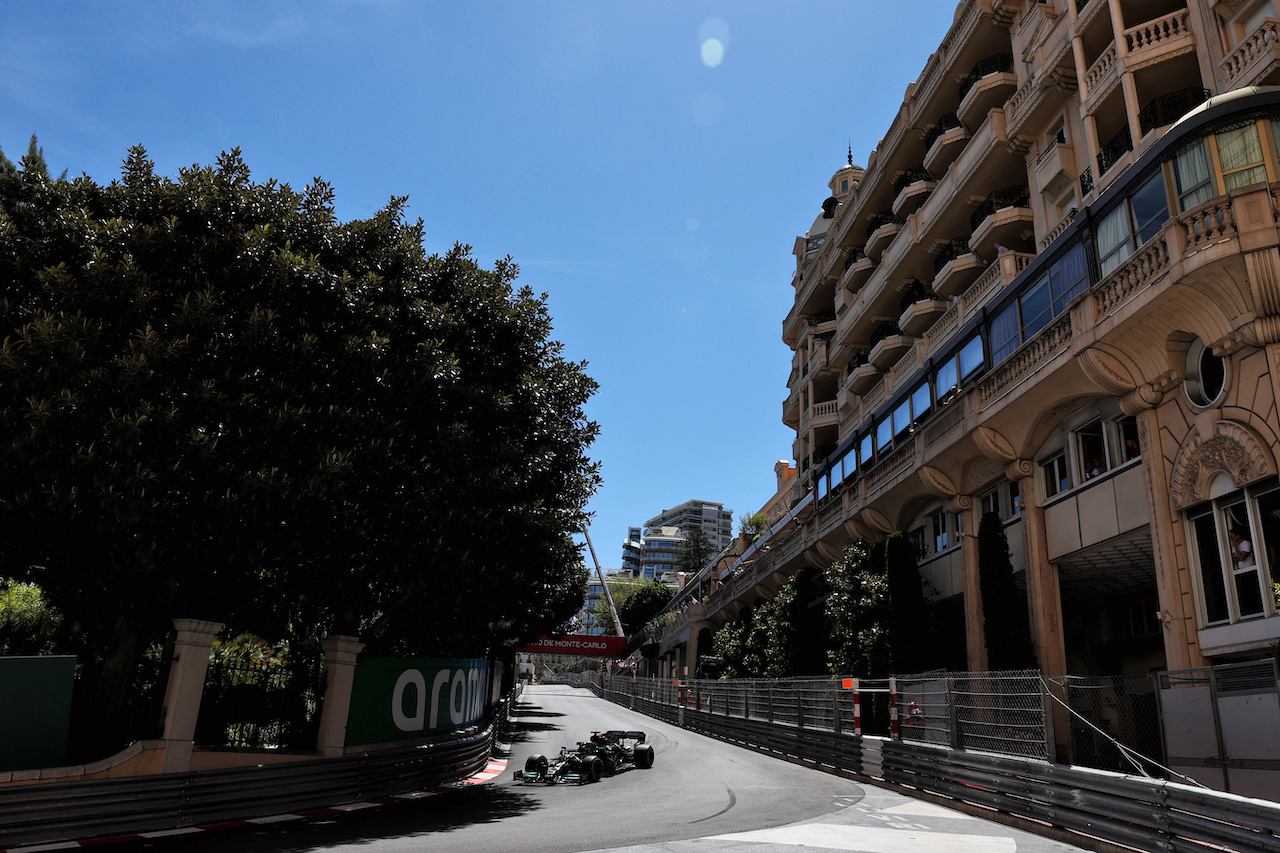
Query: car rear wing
[638,737]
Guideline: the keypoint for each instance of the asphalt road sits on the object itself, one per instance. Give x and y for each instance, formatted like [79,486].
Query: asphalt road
[701,796]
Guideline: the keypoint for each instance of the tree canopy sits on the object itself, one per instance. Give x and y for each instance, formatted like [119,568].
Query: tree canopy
[218,401]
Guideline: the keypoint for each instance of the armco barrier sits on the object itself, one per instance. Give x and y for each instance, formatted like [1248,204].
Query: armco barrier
[1096,809]
[63,811]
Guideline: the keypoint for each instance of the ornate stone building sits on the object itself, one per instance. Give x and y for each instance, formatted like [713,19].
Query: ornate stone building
[1054,294]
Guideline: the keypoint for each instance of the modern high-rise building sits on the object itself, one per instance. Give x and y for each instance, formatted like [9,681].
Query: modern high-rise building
[712,519]
[1053,294]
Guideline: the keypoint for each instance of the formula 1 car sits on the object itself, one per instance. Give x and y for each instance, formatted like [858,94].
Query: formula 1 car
[605,754]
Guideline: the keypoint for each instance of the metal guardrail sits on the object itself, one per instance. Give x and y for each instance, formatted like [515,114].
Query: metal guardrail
[1085,804]
[68,811]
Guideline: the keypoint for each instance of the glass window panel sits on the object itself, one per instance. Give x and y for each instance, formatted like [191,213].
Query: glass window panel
[947,378]
[921,402]
[902,417]
[1150,207]
[884,434]
[1240,152]
[971,357]
[867,449]
[1211,579]
[1036,308]
[1056,479]
[1244,563]
[1068,278]
[1269,534]
[822,487]
[1006,336]
[1092,449]
[1114,239]
[1194,180]
[1015,499]
[1128,434]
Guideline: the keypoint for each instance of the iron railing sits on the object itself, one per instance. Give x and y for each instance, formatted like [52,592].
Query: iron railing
[999,63]
[917,291]
[1000,199]
[855,254]
[1086,181]
[911,176]
[950,121]
[1114,150]
[880,220]
[1167,109]
[952,250]
[884,329]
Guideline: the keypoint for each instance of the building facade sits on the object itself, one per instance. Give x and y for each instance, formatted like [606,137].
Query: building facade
[1054,294]
[715,522]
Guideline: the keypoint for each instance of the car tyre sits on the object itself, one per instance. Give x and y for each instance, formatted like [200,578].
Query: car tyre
[594,771]
[537,765]
[644,756]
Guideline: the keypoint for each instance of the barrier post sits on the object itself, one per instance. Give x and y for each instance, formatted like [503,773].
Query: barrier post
[894,733]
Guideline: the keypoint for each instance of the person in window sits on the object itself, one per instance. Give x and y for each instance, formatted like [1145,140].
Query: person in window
[1241,548]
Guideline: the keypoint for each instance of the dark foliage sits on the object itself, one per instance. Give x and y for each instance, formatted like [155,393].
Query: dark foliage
[1005,623]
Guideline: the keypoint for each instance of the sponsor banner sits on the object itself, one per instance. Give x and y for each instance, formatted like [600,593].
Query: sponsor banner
[396,699]
[578,644]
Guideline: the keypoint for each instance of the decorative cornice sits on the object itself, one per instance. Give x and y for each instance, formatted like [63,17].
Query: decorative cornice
[1233,449]
[877,520]
[994,445]
[937,482]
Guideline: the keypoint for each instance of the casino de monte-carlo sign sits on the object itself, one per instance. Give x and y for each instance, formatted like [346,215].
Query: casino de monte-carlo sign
[396,699]
[582,645]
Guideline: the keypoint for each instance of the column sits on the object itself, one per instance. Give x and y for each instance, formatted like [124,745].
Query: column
[1044,599]
[975,641]
[184,689]
[1127,83]
[340,669]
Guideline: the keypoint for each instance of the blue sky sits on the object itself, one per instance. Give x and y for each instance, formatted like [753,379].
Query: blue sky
[651,187]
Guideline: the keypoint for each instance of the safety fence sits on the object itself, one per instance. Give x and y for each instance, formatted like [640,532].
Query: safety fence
[68,811]
[1080,804]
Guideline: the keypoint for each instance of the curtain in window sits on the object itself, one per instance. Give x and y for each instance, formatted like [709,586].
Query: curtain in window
[1191,169]
[1068,278]
[1237,149]
[1114,244]
[1005,334]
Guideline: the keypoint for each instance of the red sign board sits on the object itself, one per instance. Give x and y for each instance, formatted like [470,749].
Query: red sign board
[582,645]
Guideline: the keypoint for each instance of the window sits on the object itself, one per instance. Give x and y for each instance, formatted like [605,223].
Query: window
[1143,213]
[940,526]
[1056,479]
[1240,154]
[884,434]
[1236,538]
[1143,618]
[1091,450]
[1192,176]
[1206,374]
[970,358]
[1068,278]
[1127,445]
[1046,298]
[921,402]
[902,419]
[1058,134]
[866,450]
[990,502]
[1015,499]
[916,538]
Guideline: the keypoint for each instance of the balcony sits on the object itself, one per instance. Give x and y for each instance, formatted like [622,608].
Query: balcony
[823,414]
[791,412]
[857,269]
[920,308]
[863,375]
[1004,217]
[911,189]
[887,345]
[884,226]
[1056,170]
[1167,109]
[1157,40]
[1256,59]
[1113,152]
[943,143]
[1101,77]
[988,85]
[955,268]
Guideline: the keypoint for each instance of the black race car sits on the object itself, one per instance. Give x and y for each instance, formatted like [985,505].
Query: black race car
[604,754]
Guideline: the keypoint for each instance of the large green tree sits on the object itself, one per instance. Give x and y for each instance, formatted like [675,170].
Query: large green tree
[218,401]
[693,552]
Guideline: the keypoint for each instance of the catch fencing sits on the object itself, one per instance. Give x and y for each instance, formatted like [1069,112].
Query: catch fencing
[818,722]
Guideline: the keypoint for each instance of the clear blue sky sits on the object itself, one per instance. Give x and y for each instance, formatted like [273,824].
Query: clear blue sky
[651,187]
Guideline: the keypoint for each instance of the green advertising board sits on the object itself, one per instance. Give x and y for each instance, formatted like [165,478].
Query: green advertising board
[396,699]
[35,711]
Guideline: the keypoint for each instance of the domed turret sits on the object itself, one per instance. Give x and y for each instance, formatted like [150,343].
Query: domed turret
[846,178]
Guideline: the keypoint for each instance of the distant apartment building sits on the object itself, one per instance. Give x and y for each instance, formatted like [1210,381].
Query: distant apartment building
[712,519]
[632,552]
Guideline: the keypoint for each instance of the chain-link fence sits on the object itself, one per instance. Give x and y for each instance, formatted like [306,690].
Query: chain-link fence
[1106,710]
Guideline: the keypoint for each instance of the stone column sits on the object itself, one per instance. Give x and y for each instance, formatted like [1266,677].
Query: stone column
[184,689]
[1044,599]
[975,641]
[1173,582]
[340,669]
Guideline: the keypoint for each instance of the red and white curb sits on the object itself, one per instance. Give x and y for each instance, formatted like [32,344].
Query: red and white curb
[492,770]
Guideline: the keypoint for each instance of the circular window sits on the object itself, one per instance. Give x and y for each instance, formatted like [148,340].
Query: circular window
[1206,374]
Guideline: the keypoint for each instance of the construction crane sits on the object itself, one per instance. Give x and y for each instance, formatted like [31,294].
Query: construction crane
[613,611]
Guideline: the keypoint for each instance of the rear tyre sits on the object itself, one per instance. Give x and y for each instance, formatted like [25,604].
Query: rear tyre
[536,765]
[644,756]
